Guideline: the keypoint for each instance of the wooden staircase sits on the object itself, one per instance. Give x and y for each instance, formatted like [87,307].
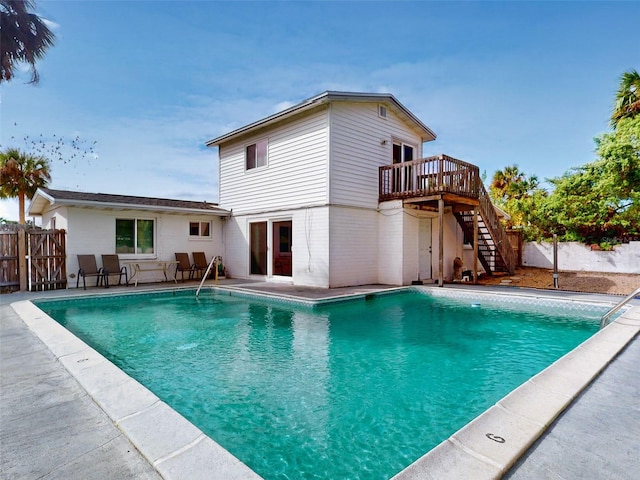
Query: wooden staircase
[494,249]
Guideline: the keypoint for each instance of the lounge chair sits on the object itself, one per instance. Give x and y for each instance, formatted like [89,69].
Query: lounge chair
[111,266]
[184,265]
[89,268]
[200,261]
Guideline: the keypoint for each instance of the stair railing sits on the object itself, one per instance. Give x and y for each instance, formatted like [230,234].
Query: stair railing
[497,231]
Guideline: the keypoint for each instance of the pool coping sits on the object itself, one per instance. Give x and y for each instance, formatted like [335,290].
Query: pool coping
[485,448]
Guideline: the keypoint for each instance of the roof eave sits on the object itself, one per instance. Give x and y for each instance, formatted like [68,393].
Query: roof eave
[41,198]
[133,206]
[328,96]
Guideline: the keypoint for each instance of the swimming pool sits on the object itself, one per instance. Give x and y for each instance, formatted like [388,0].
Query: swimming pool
[356,389]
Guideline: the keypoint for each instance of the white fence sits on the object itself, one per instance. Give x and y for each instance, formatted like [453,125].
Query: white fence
[574,256]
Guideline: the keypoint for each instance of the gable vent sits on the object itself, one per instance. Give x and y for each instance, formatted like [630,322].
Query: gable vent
[382,111]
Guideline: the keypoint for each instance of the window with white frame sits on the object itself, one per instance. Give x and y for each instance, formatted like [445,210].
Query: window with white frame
[135,236]
[200,229]
[256,154]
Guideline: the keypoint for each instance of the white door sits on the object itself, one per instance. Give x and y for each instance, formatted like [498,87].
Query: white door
[424,248]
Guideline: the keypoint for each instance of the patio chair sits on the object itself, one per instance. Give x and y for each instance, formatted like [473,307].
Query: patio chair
[200,261]
[88,268]
[111,266]
[184,265]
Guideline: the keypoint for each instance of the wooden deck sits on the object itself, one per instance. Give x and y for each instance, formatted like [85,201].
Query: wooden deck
[427,180]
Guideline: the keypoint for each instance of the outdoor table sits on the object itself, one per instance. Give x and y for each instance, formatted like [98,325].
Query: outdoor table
[140,266]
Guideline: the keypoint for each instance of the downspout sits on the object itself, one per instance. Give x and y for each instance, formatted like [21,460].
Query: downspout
[441,240]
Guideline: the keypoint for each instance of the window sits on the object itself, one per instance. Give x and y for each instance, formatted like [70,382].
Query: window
[402,152]
[402,179]
[258,248]
[382,111]
[135,236]
[199,229]
[256,155]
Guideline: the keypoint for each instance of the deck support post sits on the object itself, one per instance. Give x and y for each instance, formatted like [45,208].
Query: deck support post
[475,245]
[441,240]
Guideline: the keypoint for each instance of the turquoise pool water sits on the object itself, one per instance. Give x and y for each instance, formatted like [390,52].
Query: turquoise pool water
[356,389]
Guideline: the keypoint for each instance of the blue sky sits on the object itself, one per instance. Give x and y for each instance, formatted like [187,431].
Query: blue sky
[529,83]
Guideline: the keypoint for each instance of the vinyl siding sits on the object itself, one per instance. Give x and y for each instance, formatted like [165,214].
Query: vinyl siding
[353,246]
[296,172]
[410,239]
[452,236]
[390,227]
[357,133]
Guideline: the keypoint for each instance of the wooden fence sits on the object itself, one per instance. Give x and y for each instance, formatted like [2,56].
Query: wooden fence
[33,259]
[9,270]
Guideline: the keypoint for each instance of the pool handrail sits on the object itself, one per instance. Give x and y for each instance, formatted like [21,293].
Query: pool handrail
[206,274]
[618,306]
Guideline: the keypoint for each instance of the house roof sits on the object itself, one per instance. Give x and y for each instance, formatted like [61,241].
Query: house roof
[330,96]
[46,196]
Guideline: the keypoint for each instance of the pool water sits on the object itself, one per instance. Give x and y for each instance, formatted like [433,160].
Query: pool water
[356,389]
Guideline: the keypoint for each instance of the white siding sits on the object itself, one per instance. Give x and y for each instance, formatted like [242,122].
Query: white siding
[296,172]
[353,246]
[399,243]
[236,239]
[357,134]
[410,240]
[311,247]
[92,231]
[390,253]
[453,238]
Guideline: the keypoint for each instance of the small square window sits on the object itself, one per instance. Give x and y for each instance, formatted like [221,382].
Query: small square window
[256,155]
[199,229]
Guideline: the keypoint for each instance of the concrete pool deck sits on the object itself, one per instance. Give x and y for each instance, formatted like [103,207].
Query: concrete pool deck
[66,412]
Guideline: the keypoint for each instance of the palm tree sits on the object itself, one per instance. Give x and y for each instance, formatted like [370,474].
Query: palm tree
[24,37]
[628,97]
[509,183]
[21,174]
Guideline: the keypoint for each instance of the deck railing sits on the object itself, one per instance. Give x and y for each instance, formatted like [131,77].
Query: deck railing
[428,176]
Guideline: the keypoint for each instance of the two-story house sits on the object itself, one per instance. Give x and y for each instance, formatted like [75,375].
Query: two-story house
[334,191]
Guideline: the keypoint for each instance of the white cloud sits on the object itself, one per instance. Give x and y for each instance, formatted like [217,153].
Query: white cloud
[9,209]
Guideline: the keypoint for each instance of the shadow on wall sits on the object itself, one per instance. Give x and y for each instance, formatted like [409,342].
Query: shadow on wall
[536,256]
[574,256]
